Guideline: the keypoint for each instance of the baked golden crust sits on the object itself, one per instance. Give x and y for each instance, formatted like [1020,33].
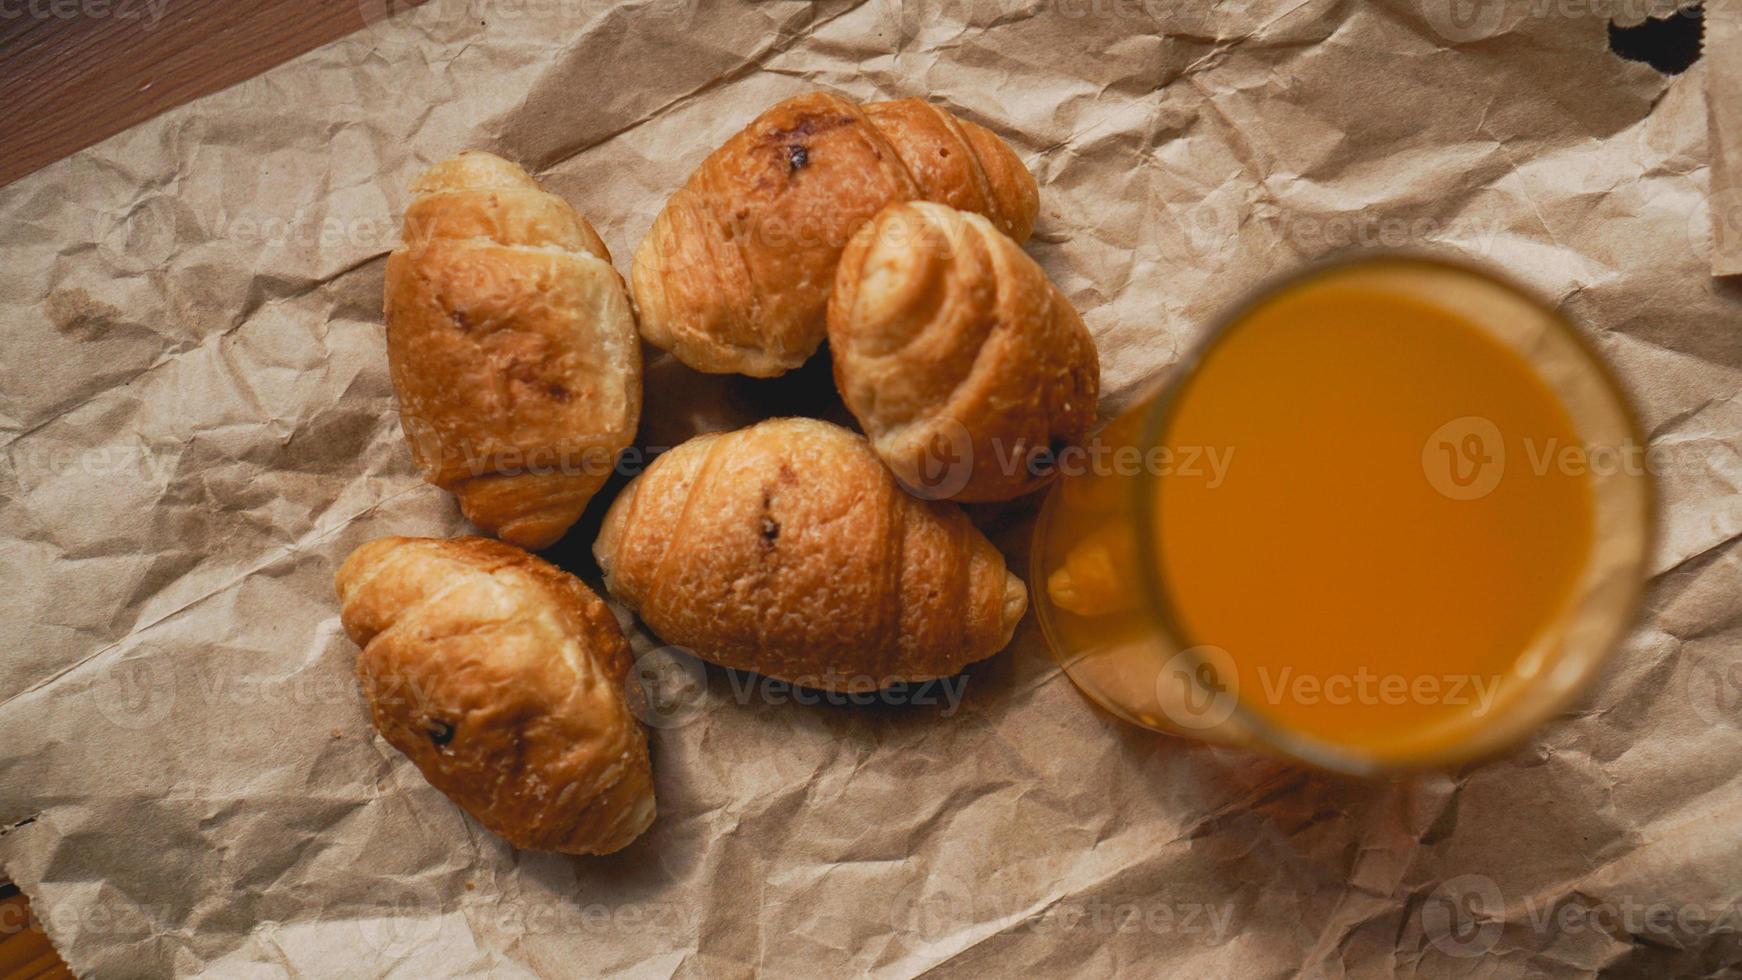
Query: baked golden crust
[734,275]
[786,548]
[964,364]
[512,347]
[506,681]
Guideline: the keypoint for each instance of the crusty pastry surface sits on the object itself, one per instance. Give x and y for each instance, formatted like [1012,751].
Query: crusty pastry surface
[966,367]
[735,273]
[512,347]
[506,680]
[787,549]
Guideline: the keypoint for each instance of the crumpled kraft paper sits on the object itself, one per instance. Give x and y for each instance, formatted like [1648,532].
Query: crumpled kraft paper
[197,426]
[1723,49]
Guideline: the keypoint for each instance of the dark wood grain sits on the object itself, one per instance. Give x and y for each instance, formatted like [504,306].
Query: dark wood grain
[73,72]
[25,952]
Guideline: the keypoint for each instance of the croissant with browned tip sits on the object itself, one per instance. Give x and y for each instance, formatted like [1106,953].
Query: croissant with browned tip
[967,368]
[735,274]
[787,549]
[512,348]
[506,681]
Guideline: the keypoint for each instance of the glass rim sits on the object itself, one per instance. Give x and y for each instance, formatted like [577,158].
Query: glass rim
[1512,723]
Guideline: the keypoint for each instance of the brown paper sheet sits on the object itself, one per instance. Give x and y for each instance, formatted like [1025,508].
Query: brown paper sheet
[198,425]
[1723,52]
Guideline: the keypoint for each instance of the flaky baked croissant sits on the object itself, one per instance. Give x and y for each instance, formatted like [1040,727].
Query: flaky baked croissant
[787,549]
[505,680]
[512,348]
[735,274]
[966,367]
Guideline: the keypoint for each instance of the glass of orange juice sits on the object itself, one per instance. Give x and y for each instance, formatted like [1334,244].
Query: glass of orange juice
[1392,513]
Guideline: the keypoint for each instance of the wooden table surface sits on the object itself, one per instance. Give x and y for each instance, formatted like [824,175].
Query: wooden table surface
[73,72]
[25,953]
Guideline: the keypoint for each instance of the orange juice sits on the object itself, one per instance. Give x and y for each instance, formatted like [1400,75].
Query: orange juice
[1364,523]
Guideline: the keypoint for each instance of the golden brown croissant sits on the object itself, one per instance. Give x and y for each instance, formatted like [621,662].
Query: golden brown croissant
[504,679]
[735,274]
[967,368]
[512,348]
[786,548]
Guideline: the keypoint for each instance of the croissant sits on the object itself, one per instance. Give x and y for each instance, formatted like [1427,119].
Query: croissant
[787,549]
[503,679]
[512,348]
[735,274]
[966,367]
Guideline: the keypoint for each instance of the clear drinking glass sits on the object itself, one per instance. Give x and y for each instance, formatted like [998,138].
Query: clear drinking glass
[1107,607]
